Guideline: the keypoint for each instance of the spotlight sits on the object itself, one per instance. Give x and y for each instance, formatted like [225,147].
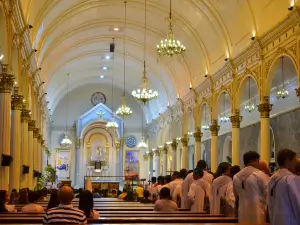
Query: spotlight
[116,29]
[49,109]
[253,38]
[47,102]
[34,50]
[102,76]
[30,26]
[107,57]
[104,68]
[40,68]
[43,82]
[226,59]
[190,88]
[290,8]
[205,75]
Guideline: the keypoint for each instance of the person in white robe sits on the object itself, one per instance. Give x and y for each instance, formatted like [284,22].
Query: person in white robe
[283,191]
[151,187]
[220,188]
[229,196]
[175,187]
[199,190]
[189,180]
[250,186]
[160,184]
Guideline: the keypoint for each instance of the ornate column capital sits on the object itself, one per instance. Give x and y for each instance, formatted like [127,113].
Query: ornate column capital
[165,149]
[184,141]
[157,152]
[16,100]
[6,80]
[265,108]
[174,145]
[40,138]
[198,135]
[151,154]
[36,132]
[31,125]
[298,92]
[25,116]
[146,156]
[214,128]
[236,120]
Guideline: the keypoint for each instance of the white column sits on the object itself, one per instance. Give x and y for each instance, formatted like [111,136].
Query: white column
[31,126]
[25,117]
[173,155]
[165,160]
[236,121]
[265,108]
[15,168]
[184,141]
[214,128]
[197,155]
[150,166]
[157,160]
[145,167]
[6,83]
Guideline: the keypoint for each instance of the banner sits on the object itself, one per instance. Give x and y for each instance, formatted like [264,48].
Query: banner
[131,169]
[63,158]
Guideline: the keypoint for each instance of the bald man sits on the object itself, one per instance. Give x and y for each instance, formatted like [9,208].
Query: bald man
[65,212]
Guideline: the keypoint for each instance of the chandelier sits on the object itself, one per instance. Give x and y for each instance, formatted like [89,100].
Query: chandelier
[124,110]
[282,92]
[66,140]
[206,125]
[250,106]
[144,93]
[112,124]
[170,46]
[223,117]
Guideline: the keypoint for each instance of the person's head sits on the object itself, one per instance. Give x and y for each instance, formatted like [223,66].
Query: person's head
[53,202]
[223,168]
[264,167]
[65,195]
[251,158]
[168,179]
[201,164]
[175,175]
[198,173]
[146,194]
[23,196]
[286,158]
[33,196]
[4,198]
[190,171]
[160,180]
[234,170]
[153,180]
[297,167]
[86,202]
[80,190]
[165,193]
[183,173]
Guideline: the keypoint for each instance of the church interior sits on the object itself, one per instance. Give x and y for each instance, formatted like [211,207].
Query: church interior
[114,92]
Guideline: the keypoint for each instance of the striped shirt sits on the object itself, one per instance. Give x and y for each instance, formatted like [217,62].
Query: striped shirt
[64,214]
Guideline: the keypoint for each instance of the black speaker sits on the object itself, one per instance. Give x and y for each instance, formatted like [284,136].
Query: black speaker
[112,47]
[36,173]
[25,169]
[6,160]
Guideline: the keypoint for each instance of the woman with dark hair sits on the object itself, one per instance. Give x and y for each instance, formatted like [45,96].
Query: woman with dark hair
[53,202]
[23,197]
[223,166]
[4,199]
[13,196]
[86,204]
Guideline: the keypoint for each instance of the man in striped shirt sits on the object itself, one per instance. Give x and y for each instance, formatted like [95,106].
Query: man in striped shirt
[65,213]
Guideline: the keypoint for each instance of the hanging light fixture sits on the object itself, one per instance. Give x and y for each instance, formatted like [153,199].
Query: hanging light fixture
[223,117]
[66,140]
[142,144]
[250,106]
[170,46]
[282,93]
[144,93]
[112,124]
[206,125]
[124,110]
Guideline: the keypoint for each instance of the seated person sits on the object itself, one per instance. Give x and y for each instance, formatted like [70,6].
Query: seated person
[65,213]
[165,204]
[96,193]
[33,207]
[86,204]
[123,195]
[4,199]
[140,192]
[146,197]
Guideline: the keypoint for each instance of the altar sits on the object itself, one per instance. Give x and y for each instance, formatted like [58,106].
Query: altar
[107,188]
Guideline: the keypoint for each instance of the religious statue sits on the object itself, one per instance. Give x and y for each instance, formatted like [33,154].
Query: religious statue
[99,153]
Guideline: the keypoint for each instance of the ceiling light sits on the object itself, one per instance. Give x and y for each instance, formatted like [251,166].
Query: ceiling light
[101,76]
[116,29]
[104,67]
[107,57]
[1,57]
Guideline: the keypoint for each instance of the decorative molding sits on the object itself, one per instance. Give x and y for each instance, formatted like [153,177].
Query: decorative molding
[16,100]
[214,128]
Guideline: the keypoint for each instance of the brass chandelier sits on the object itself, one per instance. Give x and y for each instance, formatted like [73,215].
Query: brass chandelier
[170,46]
[282,92]
[66,140]
[250,106]
[144,93]
[124,110]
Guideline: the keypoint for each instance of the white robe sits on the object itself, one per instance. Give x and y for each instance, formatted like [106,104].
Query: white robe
[252,199]
[186,186]
[220,189]
[196,195]
[284,204]
[175,189]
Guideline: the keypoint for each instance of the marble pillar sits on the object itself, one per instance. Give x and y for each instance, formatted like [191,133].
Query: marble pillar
[165,160]
[214,129]
[236,120]
[197,135]
[174,148]
[25,117]
[265,149]
[6,84]
[15,147]
[157,160]
[31,126]
[184,141]
[146,167]
[35,152]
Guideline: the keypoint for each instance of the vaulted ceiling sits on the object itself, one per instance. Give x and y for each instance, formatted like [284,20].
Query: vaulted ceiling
[73,36]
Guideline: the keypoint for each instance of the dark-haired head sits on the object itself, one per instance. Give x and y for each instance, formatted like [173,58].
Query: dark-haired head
[201,164]
[146,194]
[4,197]
[33,196]
[161,180]
[168,179]
[234,170]
[286,158]
[86,202]
[183,173]
[198,173]
[175,175]
[53,202]
[251,158]
[223,168]
[153,180]
[165,193]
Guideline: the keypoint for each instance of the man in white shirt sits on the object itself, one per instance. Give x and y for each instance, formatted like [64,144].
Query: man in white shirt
[250,186]
[283,191]
[189,180]
[175,187]
[165,204]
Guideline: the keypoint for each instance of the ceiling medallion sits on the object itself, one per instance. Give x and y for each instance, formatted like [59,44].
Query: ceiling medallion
[170,47]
